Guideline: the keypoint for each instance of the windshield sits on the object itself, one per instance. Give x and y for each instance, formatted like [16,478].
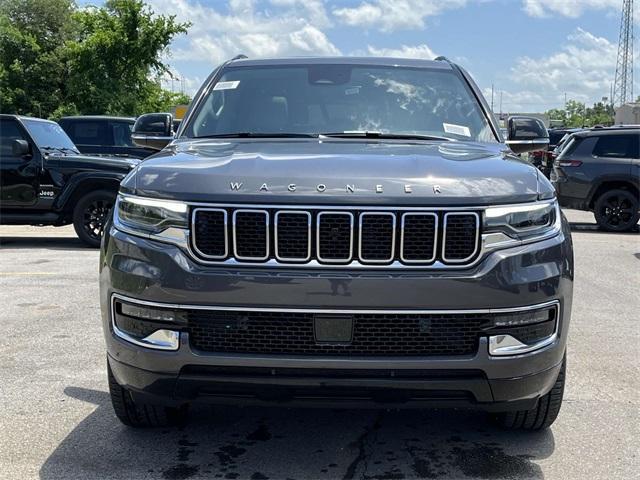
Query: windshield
[319,99]
[49,135]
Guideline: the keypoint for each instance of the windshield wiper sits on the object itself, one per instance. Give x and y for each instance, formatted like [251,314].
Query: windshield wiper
[384,135]
[259,135]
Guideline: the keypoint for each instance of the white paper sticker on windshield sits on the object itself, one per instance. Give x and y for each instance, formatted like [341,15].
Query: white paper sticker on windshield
[456,129]
[226,85]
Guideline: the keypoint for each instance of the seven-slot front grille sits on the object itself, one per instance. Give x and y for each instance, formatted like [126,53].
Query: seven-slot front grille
[339,236]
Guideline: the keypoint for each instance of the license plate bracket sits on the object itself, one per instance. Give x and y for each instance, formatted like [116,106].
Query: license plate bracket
[333,329]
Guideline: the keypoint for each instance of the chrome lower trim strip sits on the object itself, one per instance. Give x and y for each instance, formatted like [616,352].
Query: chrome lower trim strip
[182,306]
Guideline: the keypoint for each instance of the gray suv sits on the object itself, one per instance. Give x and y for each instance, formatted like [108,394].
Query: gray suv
[598,170]
[340,232]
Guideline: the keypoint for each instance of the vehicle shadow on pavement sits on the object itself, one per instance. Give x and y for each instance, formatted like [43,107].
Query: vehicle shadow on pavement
[594,228]
[283,443]
[50,243]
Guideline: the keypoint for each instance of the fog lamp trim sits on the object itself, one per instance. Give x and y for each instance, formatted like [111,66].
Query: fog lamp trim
[503,345]
[162,339]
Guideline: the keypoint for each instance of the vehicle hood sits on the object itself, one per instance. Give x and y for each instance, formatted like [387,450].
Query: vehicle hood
[336,171]
[90,162]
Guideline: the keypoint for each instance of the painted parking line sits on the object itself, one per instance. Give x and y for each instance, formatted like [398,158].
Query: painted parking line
[26,274]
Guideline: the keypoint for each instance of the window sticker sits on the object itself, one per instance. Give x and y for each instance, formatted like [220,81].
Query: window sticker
[456,129]
[226,85]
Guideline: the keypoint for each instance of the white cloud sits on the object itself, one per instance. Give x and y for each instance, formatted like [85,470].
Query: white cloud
[583,69]
[390,15]
[216,36]
[567,8]
[405,51]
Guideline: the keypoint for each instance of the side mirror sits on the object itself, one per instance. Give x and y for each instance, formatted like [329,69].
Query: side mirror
[527,134]
[20,148]
[153,130]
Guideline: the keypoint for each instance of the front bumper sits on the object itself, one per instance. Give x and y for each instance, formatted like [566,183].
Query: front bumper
[521,276]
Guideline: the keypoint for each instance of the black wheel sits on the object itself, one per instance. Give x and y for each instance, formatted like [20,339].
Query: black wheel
[543,415]
[138,414]
[90,214]
[616,210]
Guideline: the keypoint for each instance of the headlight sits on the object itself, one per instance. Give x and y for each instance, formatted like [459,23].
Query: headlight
[149,216]
[524,222]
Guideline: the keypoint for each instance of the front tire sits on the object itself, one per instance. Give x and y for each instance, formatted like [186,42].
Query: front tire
[138,414]
[617,210]
[91,214]
[543,415]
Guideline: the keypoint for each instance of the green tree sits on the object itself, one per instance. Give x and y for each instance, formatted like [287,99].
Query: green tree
[33,35]
[576,114]
[117,55]
[56,59]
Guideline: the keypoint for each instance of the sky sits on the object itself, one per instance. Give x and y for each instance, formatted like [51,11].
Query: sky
[533,52]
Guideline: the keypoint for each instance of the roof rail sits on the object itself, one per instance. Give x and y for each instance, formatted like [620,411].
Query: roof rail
[240,56]
[443,59]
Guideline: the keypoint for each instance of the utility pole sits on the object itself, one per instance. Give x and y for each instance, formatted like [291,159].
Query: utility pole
[623,83]
[500,103]
[492,97]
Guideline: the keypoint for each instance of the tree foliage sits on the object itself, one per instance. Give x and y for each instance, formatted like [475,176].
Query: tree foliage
[57,59]
[576,114]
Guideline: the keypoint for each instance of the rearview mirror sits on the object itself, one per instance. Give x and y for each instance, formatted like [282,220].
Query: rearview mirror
[20,148]
[527,134]
[153,130]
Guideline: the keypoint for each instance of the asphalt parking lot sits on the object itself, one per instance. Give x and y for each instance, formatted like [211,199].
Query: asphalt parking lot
[57,423]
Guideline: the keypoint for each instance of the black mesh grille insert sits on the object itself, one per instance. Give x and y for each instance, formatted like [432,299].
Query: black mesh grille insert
[293,235]
[460,236]
[377,237]
[373,334]
[210,232]
[251,234]
[334,236]
[419,240]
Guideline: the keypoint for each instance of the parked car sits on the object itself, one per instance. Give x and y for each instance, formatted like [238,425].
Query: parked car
[598,170]
[337,231]
[103,135]
[45,180]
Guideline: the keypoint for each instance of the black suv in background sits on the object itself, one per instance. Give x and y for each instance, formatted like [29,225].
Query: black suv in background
[45,180]
[598,170]
[103,135]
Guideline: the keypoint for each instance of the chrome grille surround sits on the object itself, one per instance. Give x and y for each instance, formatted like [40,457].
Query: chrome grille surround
[194,214]
[275,235]
[315,259]
[392,250]
[402,237]
[319,240]
[241,211]
[444,236]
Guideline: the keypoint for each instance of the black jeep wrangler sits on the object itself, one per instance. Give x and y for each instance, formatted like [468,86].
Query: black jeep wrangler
[46,181]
